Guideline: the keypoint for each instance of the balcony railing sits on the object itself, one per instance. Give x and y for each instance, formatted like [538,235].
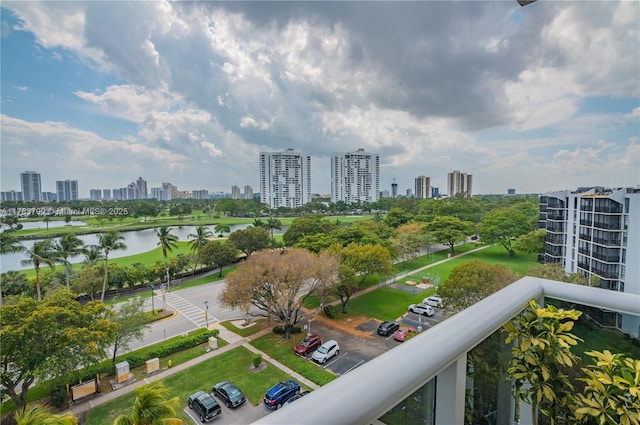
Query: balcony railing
[369,391]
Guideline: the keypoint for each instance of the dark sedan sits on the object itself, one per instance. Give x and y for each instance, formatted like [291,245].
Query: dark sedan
[228,393]
[387,328]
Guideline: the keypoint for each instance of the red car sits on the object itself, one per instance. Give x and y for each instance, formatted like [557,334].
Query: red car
[404,333]
[307,345]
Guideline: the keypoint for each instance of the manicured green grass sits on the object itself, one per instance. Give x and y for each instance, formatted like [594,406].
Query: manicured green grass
[230,366]
[383,304]
[257,326]
[603,339]
[282,351]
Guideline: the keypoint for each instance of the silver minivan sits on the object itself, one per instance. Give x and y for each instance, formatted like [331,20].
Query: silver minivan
[326,351]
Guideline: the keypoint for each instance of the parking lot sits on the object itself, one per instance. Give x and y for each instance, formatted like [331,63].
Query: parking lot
[245,414]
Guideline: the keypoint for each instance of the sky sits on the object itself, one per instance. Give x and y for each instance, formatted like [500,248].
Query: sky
[538,98]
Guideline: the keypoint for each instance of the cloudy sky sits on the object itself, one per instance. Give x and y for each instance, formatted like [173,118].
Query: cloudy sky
[537,98]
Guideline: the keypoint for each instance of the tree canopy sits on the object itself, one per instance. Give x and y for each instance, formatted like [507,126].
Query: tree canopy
[218,254]
[449,230]
[47,339]
[504,225]
[251,239]
[277,283]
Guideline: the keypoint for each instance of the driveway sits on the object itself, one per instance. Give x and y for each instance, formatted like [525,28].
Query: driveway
[245,414]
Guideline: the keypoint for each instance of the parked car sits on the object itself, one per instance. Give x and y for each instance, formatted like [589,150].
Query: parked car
[433,301]
[423,309]
[296,396]
[326,351]
[404,333]
[307,345]
[229,394]
[205,406]
[387,328]
[279,393]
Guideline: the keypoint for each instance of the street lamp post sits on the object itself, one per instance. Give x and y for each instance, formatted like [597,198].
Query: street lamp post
[206,312]
[153,307]
[168,279]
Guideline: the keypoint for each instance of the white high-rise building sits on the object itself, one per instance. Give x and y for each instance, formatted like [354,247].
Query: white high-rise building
[248,192]
[235,192]
[285,179]
[458,182]
[31,186]
[67,190]
[596,232]
[355,177]
[423,187]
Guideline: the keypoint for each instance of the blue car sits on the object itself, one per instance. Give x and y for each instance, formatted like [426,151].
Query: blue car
[279,393]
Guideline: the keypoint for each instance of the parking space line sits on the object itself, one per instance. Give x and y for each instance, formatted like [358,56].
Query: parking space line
[335,360]
[354,366]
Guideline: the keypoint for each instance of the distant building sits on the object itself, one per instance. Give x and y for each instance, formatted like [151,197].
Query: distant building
[285,179]
[11,195]
[49,197]
[596,232]
[172,189]
[409,193]
[235,192]
[423,187]
[141,189]
[67,190]
[355,177]
[394,189]
[200,194]
[435,192]
[385,194]
[95,194]
[161,194]
[31,186]
[458,182]
[106,194]
[511,191]
[248,192]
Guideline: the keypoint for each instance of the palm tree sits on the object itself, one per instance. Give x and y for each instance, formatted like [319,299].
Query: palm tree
[166,240]
[38,415]
[151,407]
[273,223]
[92,254]
[109,241]
[222,228]
[9,243]
[41,252]
[67,247]
[200,238]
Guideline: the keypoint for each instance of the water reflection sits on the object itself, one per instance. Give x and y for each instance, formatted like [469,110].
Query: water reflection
[137,241]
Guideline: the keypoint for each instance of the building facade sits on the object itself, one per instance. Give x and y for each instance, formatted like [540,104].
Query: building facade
[458,182]
[355,177]
[67,190]
[31,185]
[11,195]
[235,192]
[285,179]
[596,232]
[248,192]
[200,194]
[422,187]
[95,194]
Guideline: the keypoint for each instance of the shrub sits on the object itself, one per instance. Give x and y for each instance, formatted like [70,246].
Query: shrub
[58,395]
[257,360]
[330,311]
[296,329]
[278,330]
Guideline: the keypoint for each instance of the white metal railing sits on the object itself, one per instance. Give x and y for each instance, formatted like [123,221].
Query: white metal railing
[363,395]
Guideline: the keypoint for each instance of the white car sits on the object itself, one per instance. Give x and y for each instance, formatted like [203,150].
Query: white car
[433,301]
[423,309]
[326,351]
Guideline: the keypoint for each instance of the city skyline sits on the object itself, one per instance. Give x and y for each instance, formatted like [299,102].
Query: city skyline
[539,98]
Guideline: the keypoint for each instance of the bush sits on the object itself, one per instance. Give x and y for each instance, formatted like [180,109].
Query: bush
[296,329]
[278,330]
[58,395]
[330,311]
[257,360]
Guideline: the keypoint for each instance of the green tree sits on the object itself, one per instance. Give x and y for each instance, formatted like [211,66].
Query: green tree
[250,239]
[88,280]
[554,271]
[472,281]
[68,246]
[397,217]
[39,415]
[305,226]
[152,406]
[130,324]
[199,238]
[109,241]
[449,230]
[612,390]
[504,225]
[541,354]
[272,224]
[218,254]
[49,339]
[40,253]
[166,240]
[14,283]
[92,254]
[222,228]
[9,243]
[532,242]
[278,283]
[408,241]
[357,263]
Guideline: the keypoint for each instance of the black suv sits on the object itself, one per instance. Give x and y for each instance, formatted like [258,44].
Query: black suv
[206,406]
[387,328]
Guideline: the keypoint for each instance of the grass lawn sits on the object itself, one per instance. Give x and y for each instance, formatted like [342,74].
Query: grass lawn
[279,349]
[383,304]
[230,366]
[602,339]
[256,327]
